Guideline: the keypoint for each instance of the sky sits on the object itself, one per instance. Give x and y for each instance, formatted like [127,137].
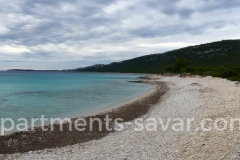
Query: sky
[66,34]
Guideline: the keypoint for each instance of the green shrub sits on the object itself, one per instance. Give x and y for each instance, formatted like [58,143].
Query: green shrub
[229,73]
[183,65]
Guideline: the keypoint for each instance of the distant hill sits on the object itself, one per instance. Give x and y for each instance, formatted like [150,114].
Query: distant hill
[30,70]
[224,53]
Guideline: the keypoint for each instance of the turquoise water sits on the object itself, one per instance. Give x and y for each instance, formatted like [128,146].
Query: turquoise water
[64,94]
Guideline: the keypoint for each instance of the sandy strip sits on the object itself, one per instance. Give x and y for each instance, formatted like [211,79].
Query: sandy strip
[192,97]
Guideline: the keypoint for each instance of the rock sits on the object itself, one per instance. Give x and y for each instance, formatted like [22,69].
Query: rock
[237,83]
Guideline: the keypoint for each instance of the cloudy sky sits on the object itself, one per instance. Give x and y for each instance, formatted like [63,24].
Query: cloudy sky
[62,34]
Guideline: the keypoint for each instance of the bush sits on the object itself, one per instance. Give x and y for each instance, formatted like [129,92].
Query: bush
[182,63]
[229,73]
[180,66]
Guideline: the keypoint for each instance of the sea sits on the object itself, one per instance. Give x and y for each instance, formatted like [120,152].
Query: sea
[30,94]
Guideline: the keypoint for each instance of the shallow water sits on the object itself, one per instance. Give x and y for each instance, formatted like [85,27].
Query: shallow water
[64,94]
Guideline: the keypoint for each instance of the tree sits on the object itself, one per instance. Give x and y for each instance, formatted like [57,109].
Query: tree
[182,63]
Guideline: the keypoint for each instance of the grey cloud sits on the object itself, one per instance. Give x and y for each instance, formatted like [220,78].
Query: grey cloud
[220,4]
[34,23]
[55,23]
[168,7]
[155,31]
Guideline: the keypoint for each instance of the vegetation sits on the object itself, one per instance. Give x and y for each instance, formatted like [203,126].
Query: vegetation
[184,66]
[220,59]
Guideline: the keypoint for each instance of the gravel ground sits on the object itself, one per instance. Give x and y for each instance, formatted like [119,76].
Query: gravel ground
[191,97]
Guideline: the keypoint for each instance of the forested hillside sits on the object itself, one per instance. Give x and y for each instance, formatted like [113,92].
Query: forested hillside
[224,53]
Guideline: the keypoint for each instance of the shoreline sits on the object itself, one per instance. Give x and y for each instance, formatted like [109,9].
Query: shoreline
[25,141]
[186,97]
[104,110]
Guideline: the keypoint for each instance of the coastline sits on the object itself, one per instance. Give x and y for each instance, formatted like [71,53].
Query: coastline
[114,107]
[186,97]
[78,101]
[37,140]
